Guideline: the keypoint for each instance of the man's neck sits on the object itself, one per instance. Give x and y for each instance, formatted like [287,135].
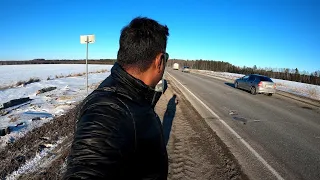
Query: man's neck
[144,77]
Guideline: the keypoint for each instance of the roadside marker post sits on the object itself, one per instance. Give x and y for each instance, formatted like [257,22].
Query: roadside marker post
[87,39]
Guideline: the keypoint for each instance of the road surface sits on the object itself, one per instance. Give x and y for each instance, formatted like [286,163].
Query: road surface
[276,138]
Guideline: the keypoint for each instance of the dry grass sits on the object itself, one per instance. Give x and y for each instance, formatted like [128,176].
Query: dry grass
[312,91]
[102,71]
[95,85]
[5,87]
[20,83]
[280,84]
[13,119]
[81,74]
[59,76]
[31,80]
[64,98]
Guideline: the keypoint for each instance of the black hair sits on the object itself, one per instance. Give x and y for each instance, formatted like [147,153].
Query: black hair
[140,42]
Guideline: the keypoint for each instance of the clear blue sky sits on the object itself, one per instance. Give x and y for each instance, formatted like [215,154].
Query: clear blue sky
[266,33]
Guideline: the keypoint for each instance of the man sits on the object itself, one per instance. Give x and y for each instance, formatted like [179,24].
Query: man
[118,135]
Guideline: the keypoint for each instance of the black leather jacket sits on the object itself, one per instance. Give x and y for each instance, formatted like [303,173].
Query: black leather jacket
[118,134]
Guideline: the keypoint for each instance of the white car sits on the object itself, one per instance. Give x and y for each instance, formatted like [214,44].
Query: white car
[186,69]
[256,84]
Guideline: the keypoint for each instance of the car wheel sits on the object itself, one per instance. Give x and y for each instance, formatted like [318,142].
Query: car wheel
[270,94]
[236,85]
[253,90]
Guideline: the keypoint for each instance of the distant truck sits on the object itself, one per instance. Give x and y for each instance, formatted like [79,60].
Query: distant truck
[175,66]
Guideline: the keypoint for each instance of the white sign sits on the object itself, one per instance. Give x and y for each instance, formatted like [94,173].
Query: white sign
[84,39]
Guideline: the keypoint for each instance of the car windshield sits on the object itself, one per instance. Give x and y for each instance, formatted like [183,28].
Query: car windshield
[262,78]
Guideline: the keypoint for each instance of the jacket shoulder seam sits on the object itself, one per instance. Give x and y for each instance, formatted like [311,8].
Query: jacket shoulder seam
[134,124]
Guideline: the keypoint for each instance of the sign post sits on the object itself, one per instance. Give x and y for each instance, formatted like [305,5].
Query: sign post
[86,39]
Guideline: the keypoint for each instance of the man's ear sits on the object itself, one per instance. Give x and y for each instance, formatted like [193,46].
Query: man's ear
[159,61]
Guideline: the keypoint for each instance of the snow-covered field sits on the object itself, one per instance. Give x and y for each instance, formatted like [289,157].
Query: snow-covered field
[301,89]
[43,107]
[14,73]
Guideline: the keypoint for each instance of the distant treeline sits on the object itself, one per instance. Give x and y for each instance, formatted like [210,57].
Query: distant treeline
[43,61]
[278,73]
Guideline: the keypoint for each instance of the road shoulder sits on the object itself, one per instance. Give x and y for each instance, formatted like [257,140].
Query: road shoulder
[195,151]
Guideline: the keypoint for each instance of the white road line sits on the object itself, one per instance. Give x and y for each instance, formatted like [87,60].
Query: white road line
[254,152]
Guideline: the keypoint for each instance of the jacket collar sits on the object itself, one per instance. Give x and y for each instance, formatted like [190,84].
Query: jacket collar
[130,86]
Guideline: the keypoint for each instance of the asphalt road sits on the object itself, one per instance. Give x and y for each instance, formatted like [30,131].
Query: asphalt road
[283,132]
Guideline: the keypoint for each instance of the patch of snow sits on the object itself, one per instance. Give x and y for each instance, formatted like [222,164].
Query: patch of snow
[21,130]
[32,164]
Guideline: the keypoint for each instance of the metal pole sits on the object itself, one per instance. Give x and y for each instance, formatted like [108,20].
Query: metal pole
[87,63]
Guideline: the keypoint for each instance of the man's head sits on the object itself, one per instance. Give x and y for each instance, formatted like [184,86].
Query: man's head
[142,51]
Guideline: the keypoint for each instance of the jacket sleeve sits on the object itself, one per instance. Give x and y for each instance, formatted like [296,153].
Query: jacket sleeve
[157,94]
[103,141]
